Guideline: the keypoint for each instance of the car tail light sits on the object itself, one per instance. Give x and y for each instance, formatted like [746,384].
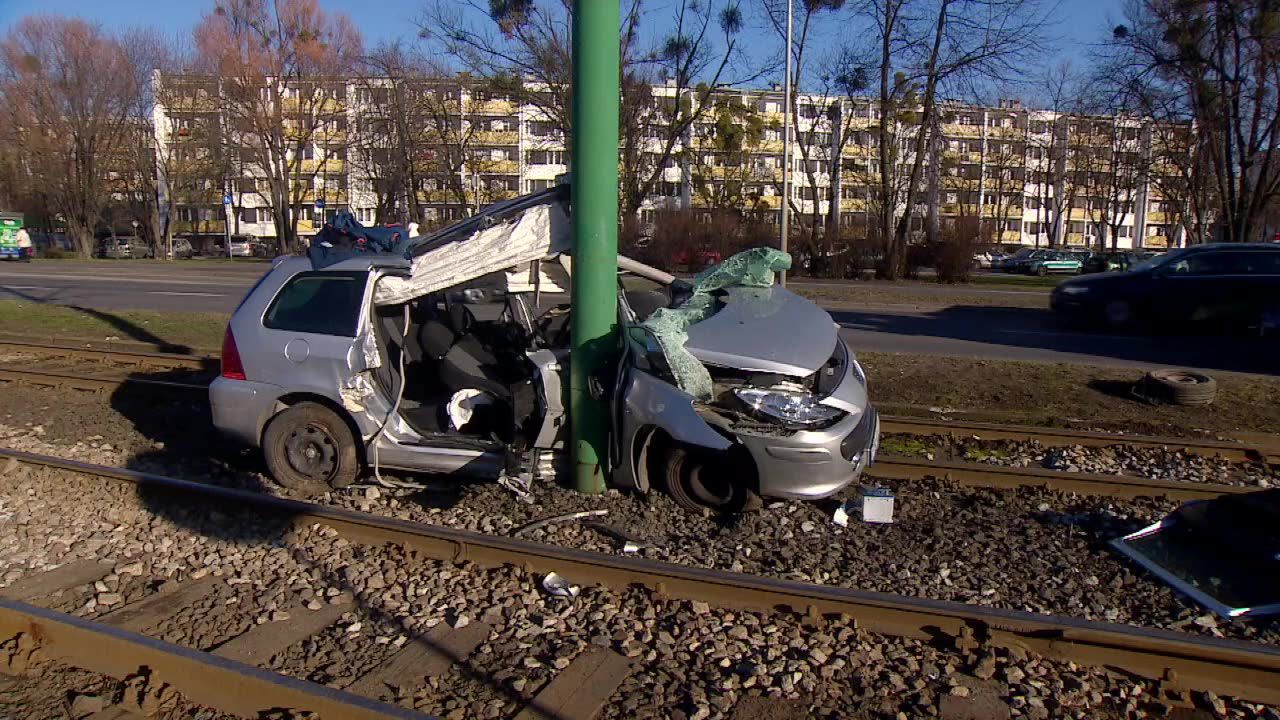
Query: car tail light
[232,368]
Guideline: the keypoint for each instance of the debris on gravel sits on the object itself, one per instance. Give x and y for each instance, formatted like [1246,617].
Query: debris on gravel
[689,660]
[1169,463]
[1034,550]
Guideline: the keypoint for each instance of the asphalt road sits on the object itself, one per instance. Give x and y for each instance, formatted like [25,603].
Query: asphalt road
[962,331]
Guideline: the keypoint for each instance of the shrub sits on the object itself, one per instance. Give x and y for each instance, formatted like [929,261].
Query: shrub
[953,254]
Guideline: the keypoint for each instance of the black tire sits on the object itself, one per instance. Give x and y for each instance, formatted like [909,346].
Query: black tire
[1117,314]
[1182,387]
[1042,271]
[699,483]
[309,448]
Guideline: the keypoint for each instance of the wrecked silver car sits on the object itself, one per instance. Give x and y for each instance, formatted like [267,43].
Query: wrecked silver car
[449,353]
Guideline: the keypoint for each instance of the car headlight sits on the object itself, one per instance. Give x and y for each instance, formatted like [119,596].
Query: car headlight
[858,372]
[1073,289]
[793,407]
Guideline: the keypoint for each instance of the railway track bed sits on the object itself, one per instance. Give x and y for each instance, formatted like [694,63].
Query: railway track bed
[1035,549]
[651,641]
[680,654]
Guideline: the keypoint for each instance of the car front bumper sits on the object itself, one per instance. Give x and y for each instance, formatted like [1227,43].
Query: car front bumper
[815,463]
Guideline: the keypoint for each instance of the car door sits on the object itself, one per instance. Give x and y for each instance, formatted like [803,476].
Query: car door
[310,331]
[1196,289]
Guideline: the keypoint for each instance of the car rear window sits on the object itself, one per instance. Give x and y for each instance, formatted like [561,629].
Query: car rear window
[324,303]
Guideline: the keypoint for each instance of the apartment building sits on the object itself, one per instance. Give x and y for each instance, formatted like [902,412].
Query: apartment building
[1024,174]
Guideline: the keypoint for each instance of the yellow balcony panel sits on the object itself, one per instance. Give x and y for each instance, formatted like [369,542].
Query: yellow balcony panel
[951,129]
[498,167]
[333,166]
[853,204]
[496,137]
[773,119]
[769,146]
[1010,236]
[1079,214]
[495,107]
[1157,217]
[306,226]
[198,227]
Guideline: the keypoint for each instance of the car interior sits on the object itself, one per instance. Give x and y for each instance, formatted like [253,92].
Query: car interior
[468,345]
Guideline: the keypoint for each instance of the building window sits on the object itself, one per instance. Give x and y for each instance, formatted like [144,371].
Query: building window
[546,157]
[249,215]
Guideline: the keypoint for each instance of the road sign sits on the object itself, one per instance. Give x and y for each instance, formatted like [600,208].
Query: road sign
[319,204]
[226,199]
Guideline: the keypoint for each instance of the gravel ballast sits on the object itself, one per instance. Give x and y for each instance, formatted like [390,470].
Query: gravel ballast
[1032,550]
[690,660]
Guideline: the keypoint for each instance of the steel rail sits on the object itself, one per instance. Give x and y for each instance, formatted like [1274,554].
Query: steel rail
[1253,449]
[1179,661]
[177,360]
[95,383]
[203,678]
[1009,478]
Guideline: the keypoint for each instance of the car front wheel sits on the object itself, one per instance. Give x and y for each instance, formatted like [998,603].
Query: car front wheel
[309,448]
[700,481]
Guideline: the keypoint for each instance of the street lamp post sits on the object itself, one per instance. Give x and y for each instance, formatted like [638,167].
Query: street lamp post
[786,145]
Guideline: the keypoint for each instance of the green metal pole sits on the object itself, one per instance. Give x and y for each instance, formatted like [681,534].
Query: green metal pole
[594,300]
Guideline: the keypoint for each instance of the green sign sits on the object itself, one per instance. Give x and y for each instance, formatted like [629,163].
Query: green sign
[9,227]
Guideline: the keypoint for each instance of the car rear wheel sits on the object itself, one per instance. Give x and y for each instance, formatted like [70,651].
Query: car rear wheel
[1042,271]
[1117,314]
[309,448]
[703,481]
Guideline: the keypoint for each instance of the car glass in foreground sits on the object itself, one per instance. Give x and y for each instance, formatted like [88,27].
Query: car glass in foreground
[324,303]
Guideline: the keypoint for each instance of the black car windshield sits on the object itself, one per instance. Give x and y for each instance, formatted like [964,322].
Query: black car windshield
[1158,260]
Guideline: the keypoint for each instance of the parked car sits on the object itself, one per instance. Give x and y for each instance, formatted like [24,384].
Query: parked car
[1019,261]
[1114,261]
[114,248]
[691,258]
[328,367]
[1220,285]
[182,249]
[242,247]
[1054,263]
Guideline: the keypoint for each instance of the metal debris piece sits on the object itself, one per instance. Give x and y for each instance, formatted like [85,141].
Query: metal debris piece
[530,527]
[844,511]
[557,586]
[622,536]
[521,485]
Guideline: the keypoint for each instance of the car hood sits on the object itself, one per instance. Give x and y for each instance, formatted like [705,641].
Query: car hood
[765,330]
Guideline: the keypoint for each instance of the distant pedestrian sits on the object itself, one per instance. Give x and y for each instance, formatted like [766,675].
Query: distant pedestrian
[25,251]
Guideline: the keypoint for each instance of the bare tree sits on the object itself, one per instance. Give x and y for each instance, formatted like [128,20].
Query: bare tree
[68,87]
[525,52]
[280,62]
[724,160]
[1216,65]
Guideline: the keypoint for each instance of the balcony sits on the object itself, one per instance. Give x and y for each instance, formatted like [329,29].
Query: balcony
[498,167]
[329,196]
[1158,217]
[496,137]
[494,107]
[853,205]
[957,130]
[331,166]
[198,227]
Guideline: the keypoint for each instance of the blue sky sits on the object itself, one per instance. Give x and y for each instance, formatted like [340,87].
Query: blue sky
[1082,21]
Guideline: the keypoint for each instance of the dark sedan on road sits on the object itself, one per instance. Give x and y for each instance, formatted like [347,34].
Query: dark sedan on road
[1219,286]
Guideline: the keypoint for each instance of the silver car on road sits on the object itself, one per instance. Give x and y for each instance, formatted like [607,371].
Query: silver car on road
[332,367]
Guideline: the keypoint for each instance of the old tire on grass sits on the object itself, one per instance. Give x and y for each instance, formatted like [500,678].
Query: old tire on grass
[700,481]
[309,448]
[1182,387]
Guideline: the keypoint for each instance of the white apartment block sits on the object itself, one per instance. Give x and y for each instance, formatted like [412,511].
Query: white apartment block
[1005,165]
